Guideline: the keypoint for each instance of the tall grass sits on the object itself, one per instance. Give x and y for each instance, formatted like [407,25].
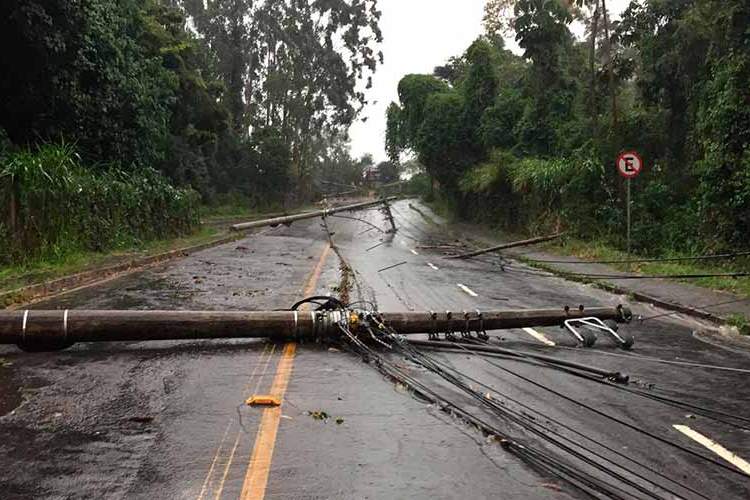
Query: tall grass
[540,194]
[62,207]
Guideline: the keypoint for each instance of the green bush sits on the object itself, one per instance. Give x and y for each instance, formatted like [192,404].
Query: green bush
[419,185]
[62,207]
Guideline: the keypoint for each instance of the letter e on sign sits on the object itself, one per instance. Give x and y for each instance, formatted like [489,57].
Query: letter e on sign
[629,164]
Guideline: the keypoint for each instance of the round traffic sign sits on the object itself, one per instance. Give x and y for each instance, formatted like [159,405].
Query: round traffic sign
[629,164]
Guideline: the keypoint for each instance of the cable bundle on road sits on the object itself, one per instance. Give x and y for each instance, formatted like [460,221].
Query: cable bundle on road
[627,483]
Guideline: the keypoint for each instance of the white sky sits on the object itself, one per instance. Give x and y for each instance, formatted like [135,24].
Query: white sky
[417,36]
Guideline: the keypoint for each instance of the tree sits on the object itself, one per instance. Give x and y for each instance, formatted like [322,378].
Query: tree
[413,93]
[80,71]
[388,171]
[479,90]
[294,66]
[394,141]
[442,138]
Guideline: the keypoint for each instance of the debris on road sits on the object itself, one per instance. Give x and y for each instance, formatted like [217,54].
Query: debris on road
[391,267]
[263,400]
[319,415]
[141,419]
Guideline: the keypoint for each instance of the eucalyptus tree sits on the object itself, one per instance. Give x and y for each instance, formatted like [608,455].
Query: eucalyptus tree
[299,66]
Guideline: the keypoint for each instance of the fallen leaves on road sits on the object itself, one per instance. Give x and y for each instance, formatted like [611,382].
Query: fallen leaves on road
[324,416]
[318,415]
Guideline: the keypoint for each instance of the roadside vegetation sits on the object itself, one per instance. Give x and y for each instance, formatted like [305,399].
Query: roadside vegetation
[528,143]
[596,251]
[58,207]
[124,122]
[74,261]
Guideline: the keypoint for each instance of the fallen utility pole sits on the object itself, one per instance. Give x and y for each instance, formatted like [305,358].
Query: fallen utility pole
[505,246]
[57,329]
[288,219]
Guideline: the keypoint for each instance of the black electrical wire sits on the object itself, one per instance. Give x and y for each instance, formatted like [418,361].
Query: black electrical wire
[531,426]
[433,366]
[406,221]
[565,274]
[572,476]
[581,480]
[660,360]
[620,421]
[581,435]
[716,415]
[637,261]
[373,226]
[656,276]
[707,306]
[323,302]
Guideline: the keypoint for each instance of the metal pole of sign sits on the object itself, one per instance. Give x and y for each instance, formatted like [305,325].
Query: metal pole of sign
[628,211]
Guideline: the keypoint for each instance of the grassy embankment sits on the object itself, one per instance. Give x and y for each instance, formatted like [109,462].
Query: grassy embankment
[214,226]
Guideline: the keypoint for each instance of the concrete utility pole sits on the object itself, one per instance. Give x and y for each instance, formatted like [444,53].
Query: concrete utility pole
[288,219]
[58,329]
[506,246]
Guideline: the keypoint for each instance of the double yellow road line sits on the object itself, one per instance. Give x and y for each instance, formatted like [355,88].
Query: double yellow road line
[259,465]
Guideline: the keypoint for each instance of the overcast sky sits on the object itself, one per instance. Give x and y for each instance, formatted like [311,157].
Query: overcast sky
[418,35]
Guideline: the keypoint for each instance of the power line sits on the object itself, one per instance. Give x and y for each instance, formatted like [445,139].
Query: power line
[636,261]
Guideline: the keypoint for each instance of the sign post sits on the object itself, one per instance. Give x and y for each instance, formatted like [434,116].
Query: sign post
[629,165]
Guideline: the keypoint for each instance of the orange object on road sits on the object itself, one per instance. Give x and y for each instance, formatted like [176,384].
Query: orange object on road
[263,401]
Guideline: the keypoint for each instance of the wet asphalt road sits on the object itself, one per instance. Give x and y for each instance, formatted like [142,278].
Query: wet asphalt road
[168,419]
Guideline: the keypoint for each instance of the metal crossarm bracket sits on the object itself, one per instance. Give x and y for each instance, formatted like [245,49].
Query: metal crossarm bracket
[481,332]
[450,330]
[583,330]
[433,335]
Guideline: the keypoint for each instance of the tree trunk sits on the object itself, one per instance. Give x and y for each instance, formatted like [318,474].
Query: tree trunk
[610,66]
[13,209]
[592,68]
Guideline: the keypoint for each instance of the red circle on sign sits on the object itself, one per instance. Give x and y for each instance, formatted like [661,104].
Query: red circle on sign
[629,164]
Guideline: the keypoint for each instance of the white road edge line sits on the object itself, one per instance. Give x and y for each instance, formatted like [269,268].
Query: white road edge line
[715,447]
[413,251]
[467,290]
[433,266]
[539,336]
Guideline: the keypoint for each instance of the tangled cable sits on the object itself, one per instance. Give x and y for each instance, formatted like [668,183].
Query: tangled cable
[576,463]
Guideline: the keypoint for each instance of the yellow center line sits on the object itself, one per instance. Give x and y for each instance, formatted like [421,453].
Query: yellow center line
[312,282]
[259,467]
[228,465]
[209,475]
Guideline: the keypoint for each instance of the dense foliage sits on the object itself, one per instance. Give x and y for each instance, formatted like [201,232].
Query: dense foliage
[59,206]
[222,95]
[232,98]
[532,139]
